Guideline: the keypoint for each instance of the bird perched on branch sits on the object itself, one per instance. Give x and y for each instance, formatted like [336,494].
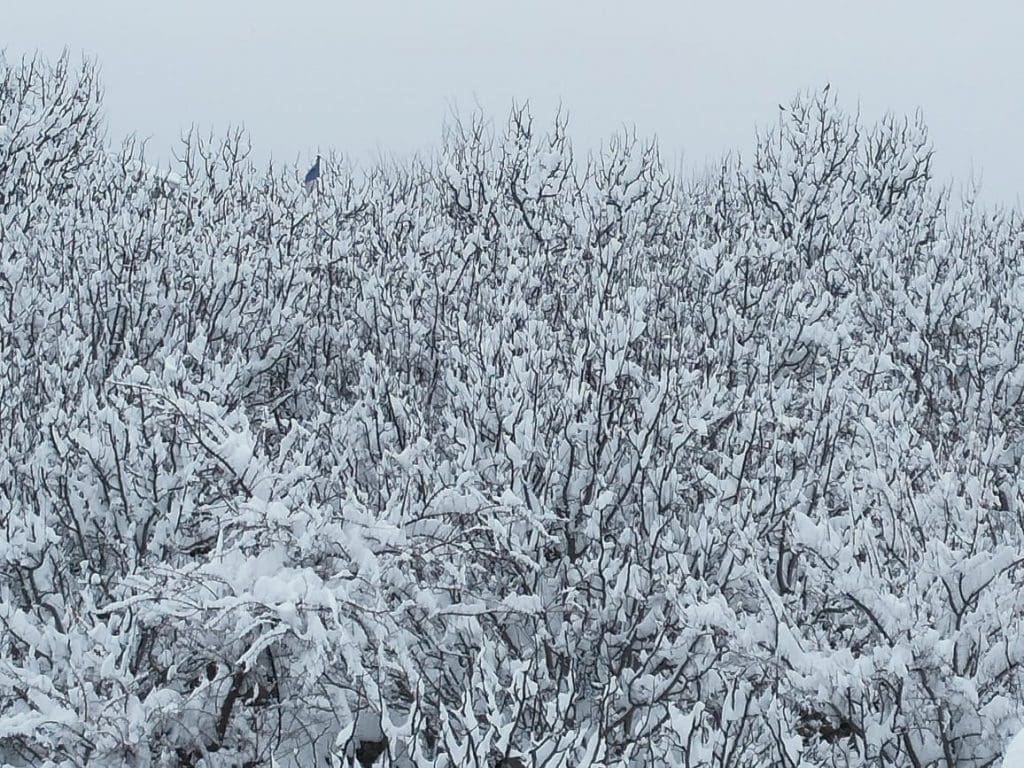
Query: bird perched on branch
[312,175]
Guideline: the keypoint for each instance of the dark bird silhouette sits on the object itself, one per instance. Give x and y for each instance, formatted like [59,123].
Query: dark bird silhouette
[312,175]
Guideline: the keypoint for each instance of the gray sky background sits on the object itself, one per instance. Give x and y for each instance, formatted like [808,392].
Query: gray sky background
[382,75]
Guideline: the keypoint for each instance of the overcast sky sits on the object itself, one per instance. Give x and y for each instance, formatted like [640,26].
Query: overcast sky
[382,75]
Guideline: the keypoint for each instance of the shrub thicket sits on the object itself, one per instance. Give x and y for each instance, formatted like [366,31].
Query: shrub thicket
[523,456]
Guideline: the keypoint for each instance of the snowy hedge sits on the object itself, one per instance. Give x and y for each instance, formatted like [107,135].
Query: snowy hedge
[526,457]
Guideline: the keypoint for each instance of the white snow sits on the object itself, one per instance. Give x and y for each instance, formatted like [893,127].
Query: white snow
[1014,755]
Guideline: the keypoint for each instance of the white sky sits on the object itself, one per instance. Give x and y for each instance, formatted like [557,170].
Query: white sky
[381,75]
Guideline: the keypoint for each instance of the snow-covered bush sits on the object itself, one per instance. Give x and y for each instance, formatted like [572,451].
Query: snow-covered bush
[507,456]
